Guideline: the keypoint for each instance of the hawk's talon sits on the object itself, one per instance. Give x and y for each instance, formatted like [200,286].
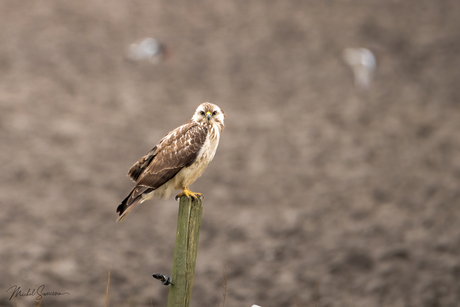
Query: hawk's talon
[188,193]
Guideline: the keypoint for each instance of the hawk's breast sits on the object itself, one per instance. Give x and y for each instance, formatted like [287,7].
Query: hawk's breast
[188,175]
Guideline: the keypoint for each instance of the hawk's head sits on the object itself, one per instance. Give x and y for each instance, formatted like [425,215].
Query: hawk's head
[209,113]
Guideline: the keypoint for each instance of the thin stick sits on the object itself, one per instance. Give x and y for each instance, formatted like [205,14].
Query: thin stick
[224,285]
[107,292]
[316,294]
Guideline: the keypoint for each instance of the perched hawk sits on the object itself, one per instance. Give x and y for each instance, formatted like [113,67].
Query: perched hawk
[177,160]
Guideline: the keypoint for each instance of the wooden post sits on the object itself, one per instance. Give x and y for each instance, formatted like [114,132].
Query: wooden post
[185,252]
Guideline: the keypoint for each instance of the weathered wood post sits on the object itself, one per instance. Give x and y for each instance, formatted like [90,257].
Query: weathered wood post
[185,251]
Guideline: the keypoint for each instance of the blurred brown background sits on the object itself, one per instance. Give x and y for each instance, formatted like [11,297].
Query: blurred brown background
[314,182]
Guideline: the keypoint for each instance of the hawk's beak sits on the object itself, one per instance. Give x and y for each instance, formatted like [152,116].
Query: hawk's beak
[208,115]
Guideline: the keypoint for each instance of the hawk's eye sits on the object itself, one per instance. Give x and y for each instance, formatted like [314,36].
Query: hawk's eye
[214,113]
[202,113]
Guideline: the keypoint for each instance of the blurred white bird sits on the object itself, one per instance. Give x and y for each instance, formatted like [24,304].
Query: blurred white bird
[362,62]
[148,49]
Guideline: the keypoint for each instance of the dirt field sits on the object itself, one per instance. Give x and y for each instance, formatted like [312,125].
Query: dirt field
[315,185]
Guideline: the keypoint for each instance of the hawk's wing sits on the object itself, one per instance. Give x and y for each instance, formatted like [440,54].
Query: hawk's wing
[139,167]
[175,151]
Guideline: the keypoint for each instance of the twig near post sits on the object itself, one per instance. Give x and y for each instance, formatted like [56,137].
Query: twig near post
[185,252]
[107,291]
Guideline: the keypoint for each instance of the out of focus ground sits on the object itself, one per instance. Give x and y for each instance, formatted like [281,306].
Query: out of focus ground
[315,184]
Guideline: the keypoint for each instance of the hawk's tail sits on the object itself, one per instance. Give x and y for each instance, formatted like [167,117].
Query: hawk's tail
[134,197]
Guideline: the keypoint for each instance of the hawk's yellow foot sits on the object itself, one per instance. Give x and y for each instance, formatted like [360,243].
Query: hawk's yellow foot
[188,193]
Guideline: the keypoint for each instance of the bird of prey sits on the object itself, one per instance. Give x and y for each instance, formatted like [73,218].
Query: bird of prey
[177,160]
